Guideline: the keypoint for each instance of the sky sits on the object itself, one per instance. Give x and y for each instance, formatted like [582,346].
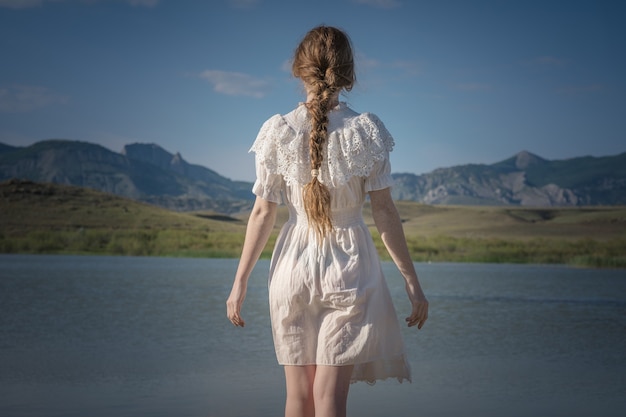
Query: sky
[455,82]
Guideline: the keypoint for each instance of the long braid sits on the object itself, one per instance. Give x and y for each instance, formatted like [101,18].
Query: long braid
[324,62]
[316,195]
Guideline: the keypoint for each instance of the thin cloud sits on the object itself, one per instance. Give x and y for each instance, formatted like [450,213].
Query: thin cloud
[381,4]
[408,67]
[363,61]
[25,98]
[236,83]
[26,4]
[286,65]
[404,67]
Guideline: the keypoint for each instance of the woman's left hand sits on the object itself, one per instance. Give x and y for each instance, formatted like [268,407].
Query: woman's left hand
[234,303]
[419,306]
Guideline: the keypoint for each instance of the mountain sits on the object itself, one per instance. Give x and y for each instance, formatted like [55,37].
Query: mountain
[149,173]
[142,172]
[6,148]
[524,179]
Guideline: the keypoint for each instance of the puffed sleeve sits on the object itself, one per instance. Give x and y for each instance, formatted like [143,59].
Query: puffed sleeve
[269,182]
[379,176]
[267,185]
[360,149]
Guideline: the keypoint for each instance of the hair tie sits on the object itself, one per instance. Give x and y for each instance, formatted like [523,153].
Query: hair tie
[315,172]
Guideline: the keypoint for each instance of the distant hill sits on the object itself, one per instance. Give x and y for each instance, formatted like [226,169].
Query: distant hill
[525,180]
[149,173]
[143,172]
[6,148]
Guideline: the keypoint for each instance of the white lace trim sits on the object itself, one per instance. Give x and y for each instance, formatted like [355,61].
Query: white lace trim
[353,149]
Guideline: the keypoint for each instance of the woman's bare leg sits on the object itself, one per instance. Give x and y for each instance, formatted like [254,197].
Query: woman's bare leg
[299,381]
[330,390]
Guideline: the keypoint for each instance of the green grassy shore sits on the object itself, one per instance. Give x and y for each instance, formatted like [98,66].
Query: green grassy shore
[53,219]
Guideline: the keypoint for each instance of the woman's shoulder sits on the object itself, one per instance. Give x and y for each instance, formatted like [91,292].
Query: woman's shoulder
[350,118]
[365,126]
[278,131]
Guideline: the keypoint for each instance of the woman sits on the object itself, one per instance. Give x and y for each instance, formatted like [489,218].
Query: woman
[333,320]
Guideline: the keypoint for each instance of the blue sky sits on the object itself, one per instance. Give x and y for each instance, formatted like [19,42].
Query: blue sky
[455,82]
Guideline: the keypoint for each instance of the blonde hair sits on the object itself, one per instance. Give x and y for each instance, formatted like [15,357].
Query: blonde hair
[324,62]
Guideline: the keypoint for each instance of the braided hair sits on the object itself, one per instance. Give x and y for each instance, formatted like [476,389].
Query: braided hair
[324,62]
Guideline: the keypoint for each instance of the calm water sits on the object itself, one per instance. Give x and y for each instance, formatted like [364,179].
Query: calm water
[116,336]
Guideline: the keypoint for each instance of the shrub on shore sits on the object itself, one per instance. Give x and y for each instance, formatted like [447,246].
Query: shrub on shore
[222,244]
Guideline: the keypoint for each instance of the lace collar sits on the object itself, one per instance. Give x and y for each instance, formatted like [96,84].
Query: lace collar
[355,144]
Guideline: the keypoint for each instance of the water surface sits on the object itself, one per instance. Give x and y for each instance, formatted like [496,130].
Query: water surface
[132,336]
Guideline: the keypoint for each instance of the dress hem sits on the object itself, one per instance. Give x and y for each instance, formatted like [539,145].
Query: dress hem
[406,376]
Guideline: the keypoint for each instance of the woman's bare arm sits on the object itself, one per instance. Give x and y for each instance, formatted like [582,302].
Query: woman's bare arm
[389,226]
[260,225]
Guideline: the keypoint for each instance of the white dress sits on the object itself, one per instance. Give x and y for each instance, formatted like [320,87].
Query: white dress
[329,302]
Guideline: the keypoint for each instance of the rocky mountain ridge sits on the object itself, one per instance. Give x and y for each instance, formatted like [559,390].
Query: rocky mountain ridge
[524,179]
[143,172]
[149,173]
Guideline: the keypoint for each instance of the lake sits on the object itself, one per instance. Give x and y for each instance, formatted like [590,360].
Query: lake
[132,336]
